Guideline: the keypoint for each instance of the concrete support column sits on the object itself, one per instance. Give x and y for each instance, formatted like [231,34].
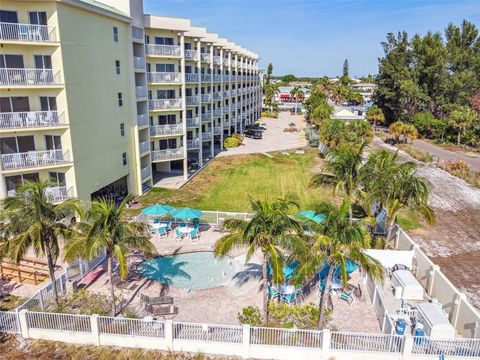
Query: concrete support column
[212,147]
[240,84]
[169,334]
[431,279]
[460,297]
[222,97]
[246,342]
[22,320]
[326,339]
[407,347]
[199,107]
[184,106]
[230,90]
[236,93]
[95,329]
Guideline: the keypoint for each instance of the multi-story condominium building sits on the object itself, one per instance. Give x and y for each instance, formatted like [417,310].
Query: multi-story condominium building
[105,100]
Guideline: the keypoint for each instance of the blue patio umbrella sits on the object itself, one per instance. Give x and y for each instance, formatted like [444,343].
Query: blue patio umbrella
[187,213]
[350,267]
[157,210]
[288,269]
[310,214]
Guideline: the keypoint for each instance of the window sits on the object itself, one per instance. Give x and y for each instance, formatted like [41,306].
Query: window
[58,178]
[53,142]
[122,129]
[188,46]
[43,61]
[169,119]
[115,34]
[117,66]
[124,159]
[165,68]
[48,103]
[163,40]
[38,17]
[165,94]
[120,99]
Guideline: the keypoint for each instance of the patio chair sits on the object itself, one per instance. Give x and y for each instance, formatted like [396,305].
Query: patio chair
[161,310]
[289,298]
[182,224]
[169,225]
[162,231]
[194,234]
[348,297]
[274,294]
[152,230]
[178,234]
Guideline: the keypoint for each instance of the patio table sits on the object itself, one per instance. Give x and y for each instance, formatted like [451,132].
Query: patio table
[159,225]
[288,289]
[185,230]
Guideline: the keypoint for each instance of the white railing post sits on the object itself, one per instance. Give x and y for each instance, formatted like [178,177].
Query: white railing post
[431,280]
[245,341]
[22,316]
[326,339]
[407,350]
[95,329]
[169,334]
[456,309]
[40,295]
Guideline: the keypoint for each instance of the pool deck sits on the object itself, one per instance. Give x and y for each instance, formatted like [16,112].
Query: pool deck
[220,305]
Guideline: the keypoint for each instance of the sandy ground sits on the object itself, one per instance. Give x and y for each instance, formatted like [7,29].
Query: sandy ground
[454,243]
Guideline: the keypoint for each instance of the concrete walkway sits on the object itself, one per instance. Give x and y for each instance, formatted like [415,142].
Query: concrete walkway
[274,139]
[446,155]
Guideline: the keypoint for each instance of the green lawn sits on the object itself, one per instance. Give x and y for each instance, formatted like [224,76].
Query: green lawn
[227,183]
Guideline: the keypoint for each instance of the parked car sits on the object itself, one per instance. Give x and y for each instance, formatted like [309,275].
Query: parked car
[253,133]
[192,164]
[255,126]
[262,126]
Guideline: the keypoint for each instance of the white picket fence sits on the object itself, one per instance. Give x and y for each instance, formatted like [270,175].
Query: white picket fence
[210,217]
[240,340]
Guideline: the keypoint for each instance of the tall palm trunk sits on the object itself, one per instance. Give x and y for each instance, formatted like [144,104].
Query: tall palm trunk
[112,287]
[265,287]
[459,134]
[323,299]
[51,270]
[390,233]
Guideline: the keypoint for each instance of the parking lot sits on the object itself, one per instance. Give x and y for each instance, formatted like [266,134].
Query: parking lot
[274,138]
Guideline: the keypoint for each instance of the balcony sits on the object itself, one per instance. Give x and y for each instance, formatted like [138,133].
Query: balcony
[140,92]
[190,54]
[57,194]
[217,60]
[206,77]
[205,57]
[171,129]
[163,50]
[137,33]
[34,159]
[217,77]
[226,109]
[206,117]
[145,173]
[167,154]
[217,96]
[142,120]
[193,143]
[192,100]
[29,77]
[139,63]
[226,124]
[217,112]
[165,104]
[164,78]
[31,119]
[144,147]
[191,78]
[226,78]
[206,97]
[226,62]
[27,33]
[226,93]
[206,136]
[217,130]
[193,122]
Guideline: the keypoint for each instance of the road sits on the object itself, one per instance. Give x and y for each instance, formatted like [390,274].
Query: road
[274,139]
[446,155]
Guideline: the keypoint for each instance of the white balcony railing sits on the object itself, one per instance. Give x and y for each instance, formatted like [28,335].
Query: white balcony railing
[29,77]
[139,62]
[217,96]
[160,104]
[217,60]
[31,119]
[205,57]
[191,54]
[34,159]
[191,78]
[144,146]
[168,154]
[193,143]
[162,50]
[137,33]
[142,119]
[207,116]
[217,112]
[56,194]
[217,130]
[164,77]
[192,100]
[140,92]
[206,136]
[206,77]
[193,122]
[226,93]
[226,109]
[217,77]
[145,172]
[27,32]
[226,62]
[226,124]
[206,97]
[171,129]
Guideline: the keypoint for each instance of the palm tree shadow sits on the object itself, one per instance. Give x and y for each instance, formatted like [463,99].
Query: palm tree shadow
[164,271]
[249,273]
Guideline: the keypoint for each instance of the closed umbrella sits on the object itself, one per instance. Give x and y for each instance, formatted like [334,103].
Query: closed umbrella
[157,210]
[187,213]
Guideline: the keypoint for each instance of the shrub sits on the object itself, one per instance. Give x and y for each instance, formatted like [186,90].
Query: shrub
[84,302]
[419,155]
[462,170]
[239,137]
[250,315]
[231,142]
[269,114]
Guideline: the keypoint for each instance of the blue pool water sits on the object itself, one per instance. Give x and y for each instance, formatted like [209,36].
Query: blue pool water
[200,270]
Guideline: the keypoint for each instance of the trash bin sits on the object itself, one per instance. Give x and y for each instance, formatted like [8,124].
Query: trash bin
[400,327]
[419,334]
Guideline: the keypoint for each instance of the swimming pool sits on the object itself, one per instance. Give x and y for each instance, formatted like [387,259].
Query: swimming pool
[198,270]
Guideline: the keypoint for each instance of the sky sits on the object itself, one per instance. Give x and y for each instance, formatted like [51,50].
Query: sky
[314,37]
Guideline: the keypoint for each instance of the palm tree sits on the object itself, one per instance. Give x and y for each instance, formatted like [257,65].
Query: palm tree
[339,93]
[296,93]
[105,227]
[395,186]
[375,115]
[321,112]
[336,240]
[30,221]
[462,117]
[270,91]
[343,170]
[270,230]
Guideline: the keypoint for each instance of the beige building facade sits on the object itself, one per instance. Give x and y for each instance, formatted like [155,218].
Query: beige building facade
[105,100]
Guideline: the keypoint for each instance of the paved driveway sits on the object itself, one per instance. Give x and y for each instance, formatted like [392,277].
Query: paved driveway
[446,155]
[274,139]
